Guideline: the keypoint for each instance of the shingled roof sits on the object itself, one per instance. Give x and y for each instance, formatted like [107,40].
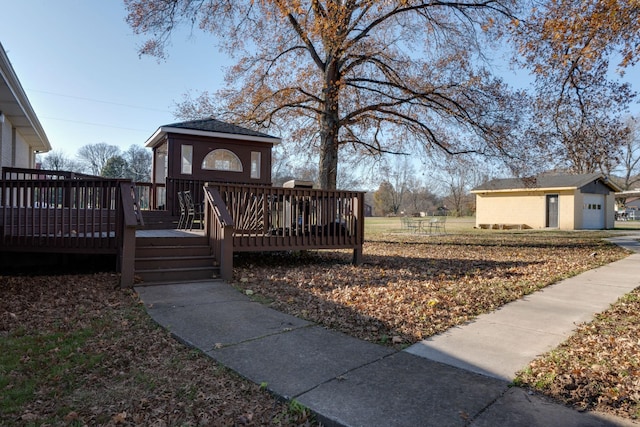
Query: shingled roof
[210,127]
[213,125]
[543,182]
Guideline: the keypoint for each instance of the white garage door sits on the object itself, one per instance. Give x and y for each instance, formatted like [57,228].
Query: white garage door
[593,212]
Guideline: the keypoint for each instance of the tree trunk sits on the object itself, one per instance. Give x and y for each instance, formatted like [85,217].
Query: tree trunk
[328,171]
[329,130]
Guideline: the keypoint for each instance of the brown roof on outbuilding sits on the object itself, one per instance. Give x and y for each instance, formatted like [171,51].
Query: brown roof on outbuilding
[544,181]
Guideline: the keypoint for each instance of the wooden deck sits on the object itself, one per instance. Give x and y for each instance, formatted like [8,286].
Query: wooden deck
[79,214]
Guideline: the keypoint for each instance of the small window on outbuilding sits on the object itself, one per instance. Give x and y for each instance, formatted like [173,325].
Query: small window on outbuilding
[255,164]
[222,160]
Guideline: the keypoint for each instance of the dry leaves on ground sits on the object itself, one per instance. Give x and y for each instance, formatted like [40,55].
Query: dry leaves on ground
[599,366]
[102,361]
[413,287]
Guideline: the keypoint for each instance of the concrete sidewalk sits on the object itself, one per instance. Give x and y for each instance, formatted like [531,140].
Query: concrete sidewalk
[350,382]
[500,343]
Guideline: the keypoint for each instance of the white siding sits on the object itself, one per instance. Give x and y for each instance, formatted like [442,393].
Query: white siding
[5,143]
[14,151]
[22,153]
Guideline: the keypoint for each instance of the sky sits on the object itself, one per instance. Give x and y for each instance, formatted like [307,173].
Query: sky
[78,63]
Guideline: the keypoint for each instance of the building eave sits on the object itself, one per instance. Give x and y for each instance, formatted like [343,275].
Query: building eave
[15,106]
[162,131]
[530,190]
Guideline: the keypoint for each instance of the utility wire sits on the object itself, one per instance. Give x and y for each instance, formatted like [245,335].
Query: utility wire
[99,100]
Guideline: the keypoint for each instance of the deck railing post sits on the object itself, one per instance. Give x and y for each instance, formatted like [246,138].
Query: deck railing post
[219,229]
[129,218]
[358,212]
[226,253]
[127,257]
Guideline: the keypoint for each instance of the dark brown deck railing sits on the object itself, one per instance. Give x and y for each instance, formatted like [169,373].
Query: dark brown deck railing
[195,186]
[277,219]
[150,196]
[129,218]
[41,212]
[9,173]
[61,214]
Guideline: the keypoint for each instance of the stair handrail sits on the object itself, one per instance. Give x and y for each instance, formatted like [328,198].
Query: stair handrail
[131,218]
[219,228]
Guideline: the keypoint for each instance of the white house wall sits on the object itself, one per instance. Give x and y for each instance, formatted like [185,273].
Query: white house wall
[23,153]
[15,152]
[5,143]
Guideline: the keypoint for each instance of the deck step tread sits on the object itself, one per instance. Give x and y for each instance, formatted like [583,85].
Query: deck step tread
[177,269]
[173,257]
[174,282]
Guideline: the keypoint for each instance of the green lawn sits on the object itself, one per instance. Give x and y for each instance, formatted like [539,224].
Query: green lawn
[374,226]
[382,225]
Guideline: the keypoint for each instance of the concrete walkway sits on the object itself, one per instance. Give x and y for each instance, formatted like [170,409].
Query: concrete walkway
[460,378]
[500,343]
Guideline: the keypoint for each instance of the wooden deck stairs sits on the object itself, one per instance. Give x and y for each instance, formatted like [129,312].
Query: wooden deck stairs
[173,259]
[159,220]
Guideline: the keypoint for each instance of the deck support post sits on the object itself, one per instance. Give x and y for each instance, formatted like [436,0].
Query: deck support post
[357,255]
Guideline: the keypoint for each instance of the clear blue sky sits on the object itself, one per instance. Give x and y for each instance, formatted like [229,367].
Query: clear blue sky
[77,61]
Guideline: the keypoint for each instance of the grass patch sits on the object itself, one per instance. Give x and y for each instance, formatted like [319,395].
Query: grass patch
[76,350]
[41,364]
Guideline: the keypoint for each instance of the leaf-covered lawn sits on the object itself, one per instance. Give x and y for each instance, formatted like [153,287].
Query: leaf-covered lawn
[599,366]
[411,287]
[77,350]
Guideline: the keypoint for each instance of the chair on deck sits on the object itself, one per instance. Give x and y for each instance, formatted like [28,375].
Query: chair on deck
[194,212]
[182,222]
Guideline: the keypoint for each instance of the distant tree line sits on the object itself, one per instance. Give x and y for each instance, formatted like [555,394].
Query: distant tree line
[102,159]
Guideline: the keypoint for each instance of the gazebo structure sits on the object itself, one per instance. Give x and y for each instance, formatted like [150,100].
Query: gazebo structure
[206,150]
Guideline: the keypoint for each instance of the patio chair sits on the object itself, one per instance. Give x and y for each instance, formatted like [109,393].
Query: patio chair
[410,224]
[437,224]
[182,221]
[194,212]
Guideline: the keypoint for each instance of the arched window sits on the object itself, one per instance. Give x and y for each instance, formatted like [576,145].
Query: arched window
[222,160]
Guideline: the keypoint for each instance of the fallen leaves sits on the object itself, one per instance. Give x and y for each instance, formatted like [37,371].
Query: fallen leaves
[419,287]
[122,369]
[598,368]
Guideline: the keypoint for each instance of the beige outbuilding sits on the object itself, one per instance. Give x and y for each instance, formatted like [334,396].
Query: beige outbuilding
[566,202]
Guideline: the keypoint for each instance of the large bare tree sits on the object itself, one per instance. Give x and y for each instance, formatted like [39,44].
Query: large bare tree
[630,160]
[56,160]
[374,76]
[95,156]
[570,46]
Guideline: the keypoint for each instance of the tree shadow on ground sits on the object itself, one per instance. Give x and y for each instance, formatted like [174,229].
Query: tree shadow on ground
[393,299]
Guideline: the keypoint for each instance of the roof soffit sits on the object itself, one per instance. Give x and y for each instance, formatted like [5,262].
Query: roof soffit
[159,136]
[16,107]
